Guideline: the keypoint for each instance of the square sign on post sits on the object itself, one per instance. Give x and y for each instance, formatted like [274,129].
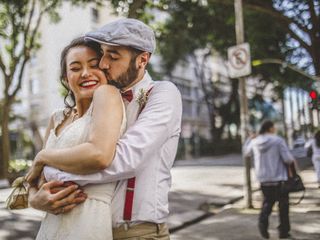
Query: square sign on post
[239,60]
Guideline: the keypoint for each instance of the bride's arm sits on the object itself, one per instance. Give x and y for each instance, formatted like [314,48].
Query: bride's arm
[54,196]
[97,153]
[36,168]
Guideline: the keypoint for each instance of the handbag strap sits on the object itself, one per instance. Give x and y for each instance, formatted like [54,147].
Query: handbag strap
[291,171]
[300,199]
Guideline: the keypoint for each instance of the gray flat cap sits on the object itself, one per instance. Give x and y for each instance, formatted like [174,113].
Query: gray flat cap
[125,32]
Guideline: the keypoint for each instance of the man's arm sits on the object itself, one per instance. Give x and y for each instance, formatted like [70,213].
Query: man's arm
[55,203]
[160,120]
[98,152]
[285,152]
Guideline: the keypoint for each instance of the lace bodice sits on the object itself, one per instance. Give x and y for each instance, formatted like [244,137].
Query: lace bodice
[74,134]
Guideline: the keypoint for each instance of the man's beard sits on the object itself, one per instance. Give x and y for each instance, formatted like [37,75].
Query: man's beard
[126,78]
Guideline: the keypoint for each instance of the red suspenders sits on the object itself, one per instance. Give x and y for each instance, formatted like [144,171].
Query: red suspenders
[128,204]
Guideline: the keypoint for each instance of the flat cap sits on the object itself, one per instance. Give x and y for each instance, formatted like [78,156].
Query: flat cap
[125,32]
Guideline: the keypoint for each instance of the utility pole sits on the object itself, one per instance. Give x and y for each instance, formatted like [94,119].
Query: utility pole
[244,115]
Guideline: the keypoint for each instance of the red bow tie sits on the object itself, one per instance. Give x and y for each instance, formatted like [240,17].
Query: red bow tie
[128,95]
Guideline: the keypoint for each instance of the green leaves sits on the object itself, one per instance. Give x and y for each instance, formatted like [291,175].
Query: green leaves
[19,38]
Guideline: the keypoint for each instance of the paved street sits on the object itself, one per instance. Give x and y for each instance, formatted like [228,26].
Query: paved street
[233,222]
[205,203]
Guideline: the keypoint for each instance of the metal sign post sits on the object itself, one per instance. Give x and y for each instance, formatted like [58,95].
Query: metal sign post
[244,116]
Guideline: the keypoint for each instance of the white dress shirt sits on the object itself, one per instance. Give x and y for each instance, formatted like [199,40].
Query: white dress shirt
[146,151]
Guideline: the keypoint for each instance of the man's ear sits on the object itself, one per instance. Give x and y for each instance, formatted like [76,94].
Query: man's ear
[143,59]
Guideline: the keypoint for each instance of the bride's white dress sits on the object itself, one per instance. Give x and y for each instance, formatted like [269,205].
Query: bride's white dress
[90,220]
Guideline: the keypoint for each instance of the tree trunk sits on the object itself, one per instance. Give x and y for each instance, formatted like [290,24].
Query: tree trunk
[284,115]
[290,90]
[217,134]
[37,139]
[316,60]
[312,126]
[297,102]
[315,49]
[291,109]
[303,115]
[5,141]
[212,118]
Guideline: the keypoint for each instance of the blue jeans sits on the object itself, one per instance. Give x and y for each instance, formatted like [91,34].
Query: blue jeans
[272,194]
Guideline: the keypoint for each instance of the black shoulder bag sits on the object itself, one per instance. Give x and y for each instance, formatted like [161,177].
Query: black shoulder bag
[294,182]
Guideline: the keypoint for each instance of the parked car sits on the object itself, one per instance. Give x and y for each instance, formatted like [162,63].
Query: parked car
[298,150]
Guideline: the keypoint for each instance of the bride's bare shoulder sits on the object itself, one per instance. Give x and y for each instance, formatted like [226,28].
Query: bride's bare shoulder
[106,89]
[107,94]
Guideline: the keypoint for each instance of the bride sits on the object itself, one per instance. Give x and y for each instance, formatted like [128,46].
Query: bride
[93,103]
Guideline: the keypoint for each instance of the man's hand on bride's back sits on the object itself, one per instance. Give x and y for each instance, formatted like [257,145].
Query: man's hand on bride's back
[56,197]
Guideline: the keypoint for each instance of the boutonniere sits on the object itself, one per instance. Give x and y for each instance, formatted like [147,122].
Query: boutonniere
[142,98]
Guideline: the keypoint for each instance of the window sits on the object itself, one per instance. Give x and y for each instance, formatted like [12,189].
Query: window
[34,86]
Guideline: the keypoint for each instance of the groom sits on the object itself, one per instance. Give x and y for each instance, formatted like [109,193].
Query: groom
[145,153]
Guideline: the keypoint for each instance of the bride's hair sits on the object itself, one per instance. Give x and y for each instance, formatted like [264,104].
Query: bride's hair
[69,99]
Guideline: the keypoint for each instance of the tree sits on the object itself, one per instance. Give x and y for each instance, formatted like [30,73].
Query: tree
[192,25]
[19,38]
[298,19]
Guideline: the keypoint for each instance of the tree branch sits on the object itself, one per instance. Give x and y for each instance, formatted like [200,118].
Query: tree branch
[134,6]
[26,30]
[300,40]
[25,60]
[284,20]
[3,67]
[262,7]
[314,19]
[14,41]
[27,49]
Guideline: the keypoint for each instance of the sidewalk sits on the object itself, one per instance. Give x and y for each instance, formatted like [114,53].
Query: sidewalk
[207,189]
[233,222]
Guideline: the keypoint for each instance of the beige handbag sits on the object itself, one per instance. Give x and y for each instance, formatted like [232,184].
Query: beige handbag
[18,199]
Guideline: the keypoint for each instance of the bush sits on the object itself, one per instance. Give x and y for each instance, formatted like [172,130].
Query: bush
[180,150]
[209,148]
[19,165]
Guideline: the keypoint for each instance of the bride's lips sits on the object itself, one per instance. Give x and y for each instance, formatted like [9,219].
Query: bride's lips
[89,83]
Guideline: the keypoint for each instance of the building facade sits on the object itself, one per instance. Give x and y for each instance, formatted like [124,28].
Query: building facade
[41,92]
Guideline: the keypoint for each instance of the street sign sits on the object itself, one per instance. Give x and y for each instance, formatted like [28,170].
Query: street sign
[239,60]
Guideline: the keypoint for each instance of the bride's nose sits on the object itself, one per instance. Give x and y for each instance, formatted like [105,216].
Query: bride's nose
[85,73]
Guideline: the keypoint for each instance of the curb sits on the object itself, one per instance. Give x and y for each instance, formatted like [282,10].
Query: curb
[191,222]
